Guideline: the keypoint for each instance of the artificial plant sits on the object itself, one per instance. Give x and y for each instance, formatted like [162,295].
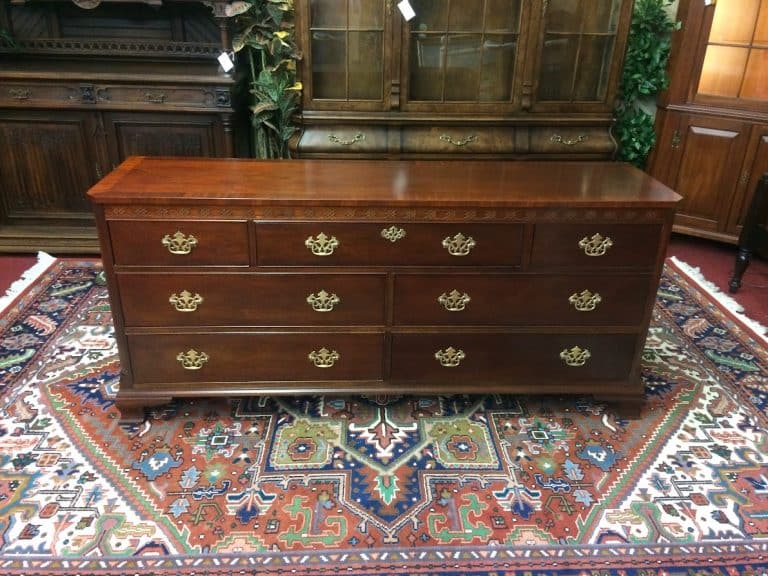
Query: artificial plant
[265,47]
[643,77]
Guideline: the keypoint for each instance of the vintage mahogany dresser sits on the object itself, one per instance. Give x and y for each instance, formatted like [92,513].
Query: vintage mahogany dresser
[235,277]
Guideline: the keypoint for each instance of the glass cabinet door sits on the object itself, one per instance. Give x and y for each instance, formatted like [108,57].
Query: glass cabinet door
[577,47]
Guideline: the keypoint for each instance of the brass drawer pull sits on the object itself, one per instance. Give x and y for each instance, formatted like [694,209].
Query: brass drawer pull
[586,301]
[455,301]
[192,359]
[556,138]
[595,246]
[19,93]
[186,301]
[156,97]
[359,137]
[179,243]
[459,245]
[393,234]
[322,301]
[575,356]
[324,358]
[450,357]
[322,245]
[460,142]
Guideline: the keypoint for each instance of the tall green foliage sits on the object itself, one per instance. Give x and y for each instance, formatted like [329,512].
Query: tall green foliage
[265,44]
[643,77]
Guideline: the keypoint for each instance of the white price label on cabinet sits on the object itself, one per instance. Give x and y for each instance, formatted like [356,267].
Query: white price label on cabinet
[226,62]
[406,9]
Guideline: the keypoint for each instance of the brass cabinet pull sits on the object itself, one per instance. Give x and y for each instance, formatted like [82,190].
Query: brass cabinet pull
[324,358]
[156,97]
[460,142]
[676,139]
[455,301]
[556,138]
[185,301]
[179,243]
[450,357]
[322,245]
[459,245]
[322,301]
[19,93]
[586,301]
[393,234]
[192,359]
[575,356]
[595,246]
[359,137]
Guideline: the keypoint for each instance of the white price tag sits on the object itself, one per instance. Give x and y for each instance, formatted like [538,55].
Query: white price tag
[226,62]
[406,9]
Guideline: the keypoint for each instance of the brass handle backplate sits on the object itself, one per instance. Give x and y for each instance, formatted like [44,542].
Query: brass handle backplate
[459,245]
[595,246]
[192,359]
[450,357]
[393,234]
[19,93]
[179,243]
[556,138]
[359,137]
[575,356]
[156,97]
[323,358]
[322,245]
[322,301]
[586,301]
[455,301]
[460,142]
[185,301]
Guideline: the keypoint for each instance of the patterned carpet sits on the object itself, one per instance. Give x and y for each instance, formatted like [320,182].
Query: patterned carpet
[379,485]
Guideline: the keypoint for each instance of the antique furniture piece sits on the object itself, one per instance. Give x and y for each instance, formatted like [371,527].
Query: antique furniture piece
[712,124]
[754,234]
[232,277]
[85,84]
[499,78]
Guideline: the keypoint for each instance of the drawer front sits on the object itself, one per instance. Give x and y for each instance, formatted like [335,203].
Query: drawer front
[571,140]
[38,93]
[346,139]
[387,244]
[458,140]
[168,96]
[179,243]
[507,357]
[168,358]
[252,299]
[583,246]
[503,299]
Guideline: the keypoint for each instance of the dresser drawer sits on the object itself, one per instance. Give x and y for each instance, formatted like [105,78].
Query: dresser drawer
[610,245]
[505,299]
[218,299]
[170,96]
[387,244]
[509,357]
[244,357]
[571,140]
[347,139]
[458,140]
[179,243]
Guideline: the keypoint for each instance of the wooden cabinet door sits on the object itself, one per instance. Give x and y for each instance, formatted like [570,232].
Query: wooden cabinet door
[755,165]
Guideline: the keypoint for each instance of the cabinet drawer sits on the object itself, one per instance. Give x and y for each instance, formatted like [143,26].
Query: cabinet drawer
[387,244]
[343,139]
[571,140]
[179,243]
[156,299]
[149,96]
[505,299]
[458,140]
[38,93]
[468,357]
[611,245]
[208,357]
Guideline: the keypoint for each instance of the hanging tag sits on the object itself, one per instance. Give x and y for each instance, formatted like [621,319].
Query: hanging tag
[226,61]
[406,9]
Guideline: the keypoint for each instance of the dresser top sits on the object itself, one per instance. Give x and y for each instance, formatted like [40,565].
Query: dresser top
[453,183]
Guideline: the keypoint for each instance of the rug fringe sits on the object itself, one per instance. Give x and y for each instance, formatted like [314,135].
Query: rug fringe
[728,302]
[44,261]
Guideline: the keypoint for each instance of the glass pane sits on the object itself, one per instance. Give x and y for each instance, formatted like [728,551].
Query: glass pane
[734,21]
[564,15]
[430,15]
[465,16]
[723,70]
[502,15]
[756,78]
[557,67]
[329,56]
[426,69]
[462,67]
[366,14]
[365,65]
[594,67]
[328,13]
[602,16]
[761,30]
[498,68]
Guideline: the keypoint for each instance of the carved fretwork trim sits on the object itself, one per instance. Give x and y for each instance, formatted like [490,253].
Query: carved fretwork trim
[117,47]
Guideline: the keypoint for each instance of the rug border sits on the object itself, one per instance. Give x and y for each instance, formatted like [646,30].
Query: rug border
[28,278]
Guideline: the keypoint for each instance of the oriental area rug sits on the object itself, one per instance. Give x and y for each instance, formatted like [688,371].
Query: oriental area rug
[369,485]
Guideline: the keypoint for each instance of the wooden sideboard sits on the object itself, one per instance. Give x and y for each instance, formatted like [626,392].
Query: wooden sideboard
[237,277]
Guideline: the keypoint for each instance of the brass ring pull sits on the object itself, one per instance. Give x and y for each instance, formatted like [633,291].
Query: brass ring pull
[359,137]
[460,142]
[323,358]
[450,357]
[393,234]
[322,245]
[179,243]
[595,246]
[459,245]
[575,356]
[586,301]
[322,301]
[185,301]
[568,141]
[192,359]
[455,301]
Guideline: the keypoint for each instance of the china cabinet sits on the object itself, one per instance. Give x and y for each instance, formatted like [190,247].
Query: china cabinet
[712,123]
[466,78]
